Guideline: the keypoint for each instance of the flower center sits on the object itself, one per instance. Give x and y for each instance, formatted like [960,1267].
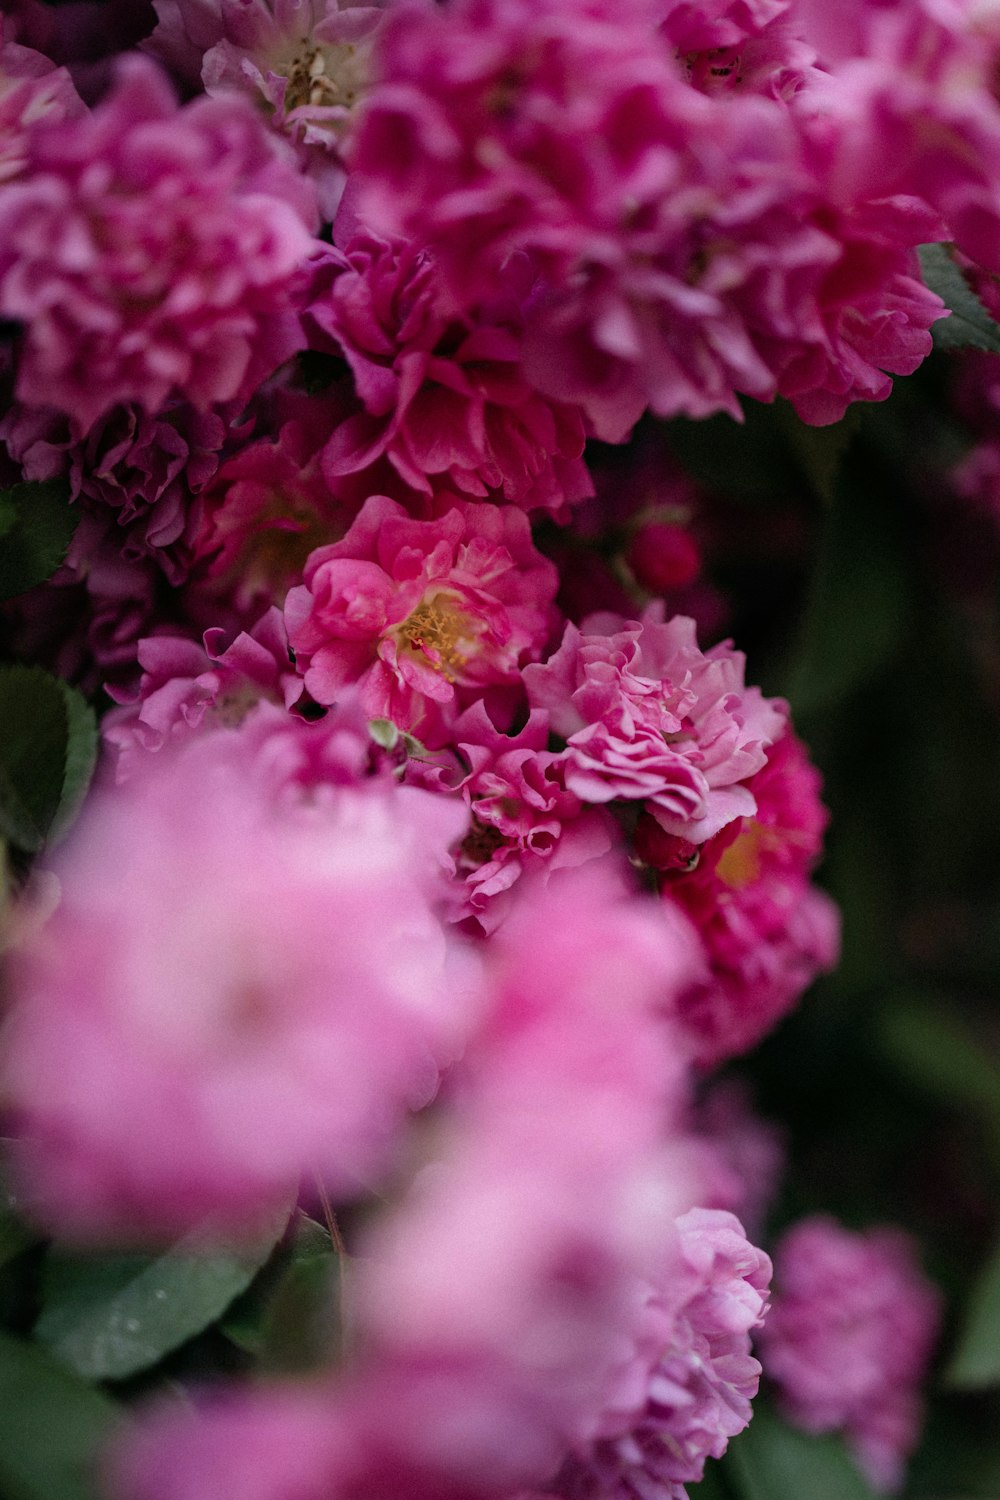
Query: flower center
[325,76]
[441,632]
[739,864]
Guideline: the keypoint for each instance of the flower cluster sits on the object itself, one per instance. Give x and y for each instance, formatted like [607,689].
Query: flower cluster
[441,846]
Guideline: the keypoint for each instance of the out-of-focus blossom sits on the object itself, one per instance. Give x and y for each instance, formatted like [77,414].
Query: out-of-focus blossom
[849,1338]
[148,253]
[505,1292]
[242,982]
[422,615]
[649,717]
[267,509]
[31,89]
[441,393]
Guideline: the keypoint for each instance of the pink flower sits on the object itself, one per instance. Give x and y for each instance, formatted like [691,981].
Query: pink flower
[422,615]
[649,717]
[504,1290]
[696,1390]
[266,511]
[849,1338]
[244,981]
[767,932]
[307,61]
[185,687]
[524,820]
[31,89]
[748,1153]
[255,1446]
[148,253]
[440,393]
[140,472]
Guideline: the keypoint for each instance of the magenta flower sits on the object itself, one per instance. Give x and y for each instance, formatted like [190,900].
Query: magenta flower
[268,508]
[697,1389]
[849,1338]
[649,717]
[149,252]
[307,61]
[32,89]
[524,820]
[440,393]
[766,930]
[244,981]
[422,615]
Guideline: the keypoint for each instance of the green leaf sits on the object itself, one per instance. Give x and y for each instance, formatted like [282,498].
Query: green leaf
[976,1361]
[970,325]
[933,1048]
[820,451]
[290,1318]
[81,758]
[48,749]
[772,1461]
[108,1317]
[301,1327]
[33,743]
[36,540]
[52,1427]
[857,609]
[15,1234]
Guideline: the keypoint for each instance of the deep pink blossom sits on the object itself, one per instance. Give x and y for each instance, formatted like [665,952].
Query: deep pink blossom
[422,615]
[524,820]
[849,1338]
[767,931]
[682,240]
[243,981]
[267,509]
[136,473]
[148,253]
[649,717]
[696,1390]
[308,62]
[440,393]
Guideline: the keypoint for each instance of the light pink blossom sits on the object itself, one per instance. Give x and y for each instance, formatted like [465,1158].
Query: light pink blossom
[696,1390]
[186,686]
[848,1341]
[648,717]
[243,981]
[306,61]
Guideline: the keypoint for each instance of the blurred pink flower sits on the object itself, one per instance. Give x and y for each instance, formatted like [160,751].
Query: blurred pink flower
[243,981]
[849,1338]
[149,252]
[694,1393]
